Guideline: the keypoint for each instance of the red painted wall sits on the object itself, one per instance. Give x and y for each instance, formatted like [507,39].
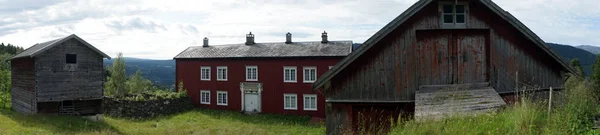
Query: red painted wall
[270,74]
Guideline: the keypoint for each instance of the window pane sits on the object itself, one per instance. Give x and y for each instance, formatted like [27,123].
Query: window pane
[460,8]
[447,8]
[448,19]
[460,18]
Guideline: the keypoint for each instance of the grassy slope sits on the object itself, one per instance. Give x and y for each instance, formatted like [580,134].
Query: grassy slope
[193,122]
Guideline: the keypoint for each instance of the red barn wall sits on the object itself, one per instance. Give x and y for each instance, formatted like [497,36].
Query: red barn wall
[270,74]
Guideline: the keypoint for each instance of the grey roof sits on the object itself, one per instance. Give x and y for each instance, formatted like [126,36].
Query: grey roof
[260,50]
[41,47]
[412,10]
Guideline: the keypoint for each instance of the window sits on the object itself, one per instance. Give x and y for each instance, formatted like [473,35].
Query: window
[222,73]
[204,97]
[251,73]
[310,102]
[453,14]
[310,74]
[222,98]
[71,58]
[289,102]
[289,74]
[205,73]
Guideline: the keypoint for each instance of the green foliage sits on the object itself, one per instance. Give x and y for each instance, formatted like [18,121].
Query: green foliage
[197,121]
[575,64]
[115,85]
[138,84]
[10,49]
[5,88]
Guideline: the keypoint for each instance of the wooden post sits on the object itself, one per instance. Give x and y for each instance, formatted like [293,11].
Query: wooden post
[550,102]
[517,84]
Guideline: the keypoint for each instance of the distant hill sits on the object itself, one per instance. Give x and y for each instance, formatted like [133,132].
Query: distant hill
[568,52]
[160,72]
[590,48]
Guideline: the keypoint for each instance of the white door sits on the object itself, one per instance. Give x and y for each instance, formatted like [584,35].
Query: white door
[251,102]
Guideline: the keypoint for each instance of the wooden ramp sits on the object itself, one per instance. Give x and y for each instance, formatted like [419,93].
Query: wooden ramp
[439,101]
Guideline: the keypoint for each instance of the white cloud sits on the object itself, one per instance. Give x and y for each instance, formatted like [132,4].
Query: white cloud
[161,29]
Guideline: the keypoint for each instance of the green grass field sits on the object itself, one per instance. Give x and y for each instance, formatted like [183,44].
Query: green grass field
[197,121]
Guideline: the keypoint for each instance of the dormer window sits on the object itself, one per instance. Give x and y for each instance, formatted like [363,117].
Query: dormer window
[453,15]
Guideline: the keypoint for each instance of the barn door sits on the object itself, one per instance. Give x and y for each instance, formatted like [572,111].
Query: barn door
[434,57]
[468,57]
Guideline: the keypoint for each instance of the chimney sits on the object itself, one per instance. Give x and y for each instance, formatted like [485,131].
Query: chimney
[205,42]
[250,39]
[288,38]
[324,37]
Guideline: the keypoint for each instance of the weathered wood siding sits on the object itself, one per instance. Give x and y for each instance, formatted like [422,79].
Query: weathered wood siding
[23,82]
[400,63]
[56,80]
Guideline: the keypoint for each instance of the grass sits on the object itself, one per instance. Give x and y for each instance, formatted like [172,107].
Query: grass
[198,121]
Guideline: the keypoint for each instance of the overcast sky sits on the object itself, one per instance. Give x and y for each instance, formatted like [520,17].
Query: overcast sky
[162,29]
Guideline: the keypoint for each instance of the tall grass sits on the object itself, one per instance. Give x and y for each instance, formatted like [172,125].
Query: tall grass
[573,115]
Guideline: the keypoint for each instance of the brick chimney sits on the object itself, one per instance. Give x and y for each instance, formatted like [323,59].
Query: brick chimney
[288,38]
[250,39]
[324,37]
[205,42]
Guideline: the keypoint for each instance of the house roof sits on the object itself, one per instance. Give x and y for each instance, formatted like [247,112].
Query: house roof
[41,47]
[412,10]
[261,50]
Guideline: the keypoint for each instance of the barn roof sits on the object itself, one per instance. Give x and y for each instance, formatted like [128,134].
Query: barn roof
[416,8]
[41,47]
[261,50]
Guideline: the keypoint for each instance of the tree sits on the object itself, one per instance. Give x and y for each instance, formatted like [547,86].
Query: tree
[138,84]
[115,85]
[577,65]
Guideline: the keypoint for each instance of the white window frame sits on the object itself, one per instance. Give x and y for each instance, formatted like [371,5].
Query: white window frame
[454,24]
[202,98]
[219,98]
[305,99]
[295,73]
[295,105]
[220,76]
[304,78]
[256,74]
[202,68]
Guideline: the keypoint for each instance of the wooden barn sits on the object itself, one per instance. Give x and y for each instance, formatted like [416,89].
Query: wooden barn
[434,45]
[255,77]
[64,76]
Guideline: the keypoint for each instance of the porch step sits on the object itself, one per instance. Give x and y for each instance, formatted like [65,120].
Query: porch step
[439,101]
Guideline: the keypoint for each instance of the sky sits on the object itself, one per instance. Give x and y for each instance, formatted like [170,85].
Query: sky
[163,28]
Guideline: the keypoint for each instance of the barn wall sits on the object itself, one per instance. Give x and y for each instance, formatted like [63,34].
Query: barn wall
[397,65]
[270,74]
[23,82]
[57,81]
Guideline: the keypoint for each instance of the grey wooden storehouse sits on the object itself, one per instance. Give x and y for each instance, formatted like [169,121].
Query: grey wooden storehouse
[63,76]
[433,45]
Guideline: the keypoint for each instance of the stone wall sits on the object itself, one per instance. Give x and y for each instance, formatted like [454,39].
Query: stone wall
[139,109]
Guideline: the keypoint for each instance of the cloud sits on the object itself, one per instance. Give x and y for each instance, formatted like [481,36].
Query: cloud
[161,29]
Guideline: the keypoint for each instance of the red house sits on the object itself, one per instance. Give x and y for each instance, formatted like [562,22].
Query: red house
[259,77]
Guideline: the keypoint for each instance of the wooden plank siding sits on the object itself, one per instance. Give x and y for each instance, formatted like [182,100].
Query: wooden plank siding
[23,82]
[56,80]
[399,63]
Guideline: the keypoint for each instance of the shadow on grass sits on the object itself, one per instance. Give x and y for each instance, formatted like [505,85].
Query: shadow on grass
[59,124]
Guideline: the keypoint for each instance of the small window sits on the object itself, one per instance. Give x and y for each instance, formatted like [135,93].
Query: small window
[310,102]
[251,73]
[310,74]
[222,98]
[289,74]
[453,14]
[71,58]
[204,97]
[289,102]
[222,73]
[205,73]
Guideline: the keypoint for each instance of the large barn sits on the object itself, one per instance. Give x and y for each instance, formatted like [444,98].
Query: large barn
[63,76]
[255,77]
[437,43]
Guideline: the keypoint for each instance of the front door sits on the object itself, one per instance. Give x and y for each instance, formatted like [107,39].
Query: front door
[452,56]
[251,102]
